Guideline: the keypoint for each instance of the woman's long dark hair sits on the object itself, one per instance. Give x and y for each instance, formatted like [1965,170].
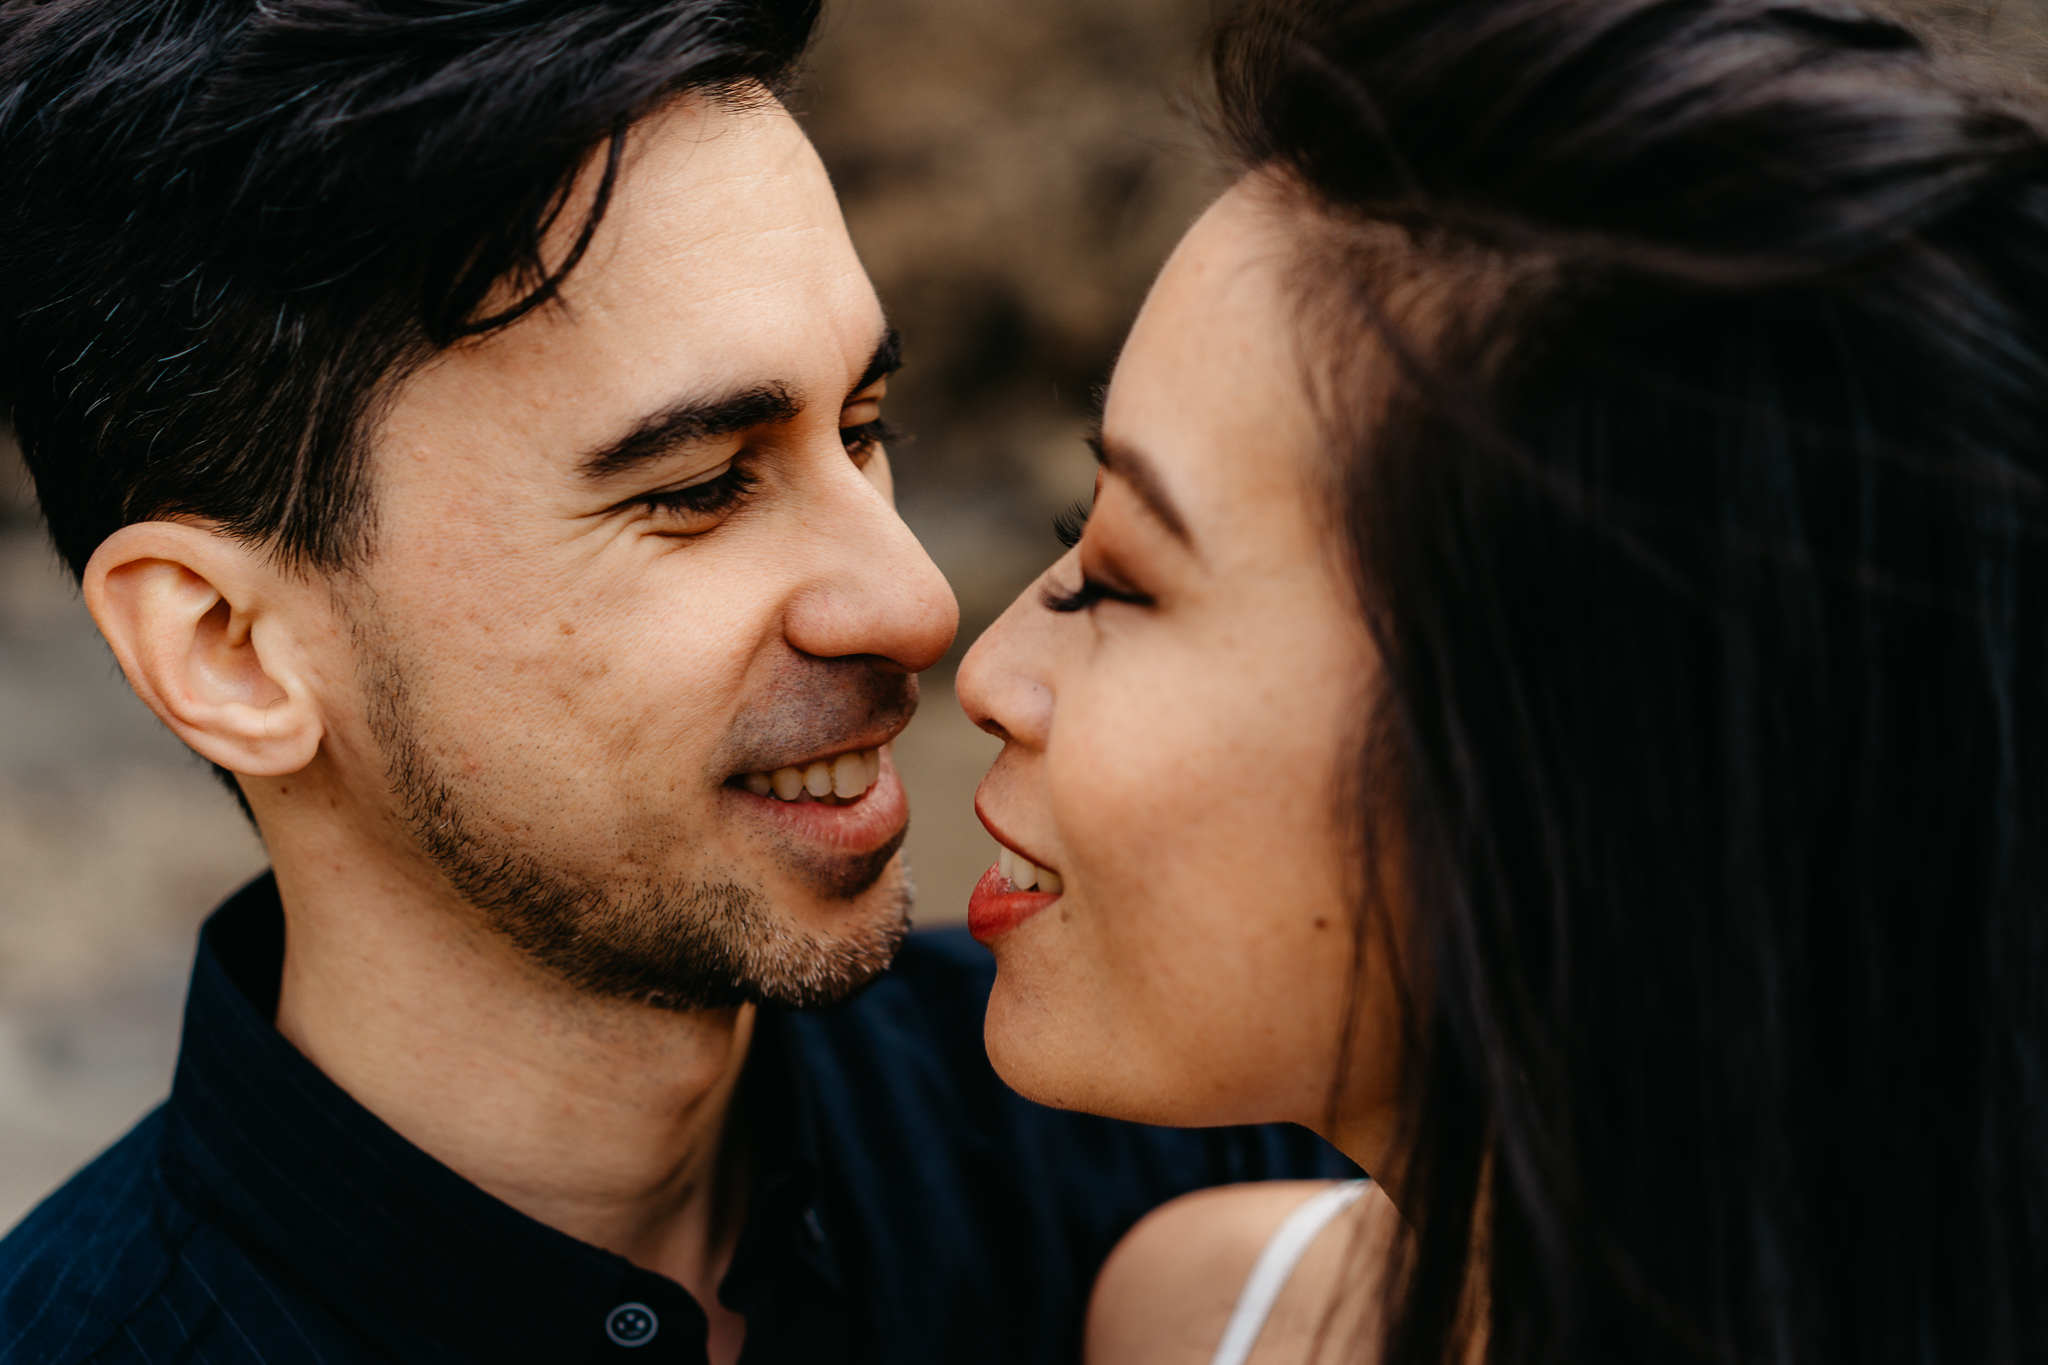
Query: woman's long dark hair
[1687,368]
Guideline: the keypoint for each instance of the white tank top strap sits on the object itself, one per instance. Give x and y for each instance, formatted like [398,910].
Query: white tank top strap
[1276,1262]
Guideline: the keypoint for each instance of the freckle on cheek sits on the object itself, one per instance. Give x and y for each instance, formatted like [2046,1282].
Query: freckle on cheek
[567,628]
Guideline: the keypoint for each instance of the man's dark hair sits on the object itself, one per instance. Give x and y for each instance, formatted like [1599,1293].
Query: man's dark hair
[227,227]
[1685,368]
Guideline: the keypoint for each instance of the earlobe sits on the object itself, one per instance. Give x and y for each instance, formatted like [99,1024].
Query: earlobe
[204,627]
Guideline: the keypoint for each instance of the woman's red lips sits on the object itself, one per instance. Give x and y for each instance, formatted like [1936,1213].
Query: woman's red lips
[997,906]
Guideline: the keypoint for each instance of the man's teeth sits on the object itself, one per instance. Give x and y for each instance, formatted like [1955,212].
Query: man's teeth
[831,780]
[1025,875]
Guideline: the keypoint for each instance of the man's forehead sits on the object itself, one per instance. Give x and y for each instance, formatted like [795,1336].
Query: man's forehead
[722,265]
[722,222]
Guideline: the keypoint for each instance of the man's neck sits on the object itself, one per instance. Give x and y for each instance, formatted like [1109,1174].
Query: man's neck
[604,1119]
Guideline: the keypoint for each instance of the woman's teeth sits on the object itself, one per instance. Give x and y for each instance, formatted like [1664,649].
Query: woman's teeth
[828,780]
[1025,875]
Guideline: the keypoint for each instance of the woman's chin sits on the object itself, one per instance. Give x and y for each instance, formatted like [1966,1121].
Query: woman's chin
[1047,1054]
[1064,1057]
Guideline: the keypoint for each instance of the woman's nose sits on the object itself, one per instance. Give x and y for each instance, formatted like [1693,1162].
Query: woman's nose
[1005,682]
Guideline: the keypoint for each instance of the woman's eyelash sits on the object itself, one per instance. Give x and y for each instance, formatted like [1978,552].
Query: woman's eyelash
[1069,524]
[712,496]
[1089,593]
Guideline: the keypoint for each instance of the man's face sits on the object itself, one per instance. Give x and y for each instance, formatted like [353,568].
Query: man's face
[633,550]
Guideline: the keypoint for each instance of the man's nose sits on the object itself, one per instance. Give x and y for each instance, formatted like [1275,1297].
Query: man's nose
[872,588]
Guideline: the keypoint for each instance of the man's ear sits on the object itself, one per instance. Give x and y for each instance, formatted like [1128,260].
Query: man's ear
[207,630]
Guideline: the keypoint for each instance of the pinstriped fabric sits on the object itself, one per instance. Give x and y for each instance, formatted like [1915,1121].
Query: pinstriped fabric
[212,1310]
[908,1208]
[145,1282]
[263,1215]
[83,1261]
[240,1100]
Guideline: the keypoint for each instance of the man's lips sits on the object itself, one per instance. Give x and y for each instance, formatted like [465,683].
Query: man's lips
[833,779]
[859,824]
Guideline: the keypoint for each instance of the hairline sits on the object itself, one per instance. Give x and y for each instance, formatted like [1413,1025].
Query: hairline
[381,395]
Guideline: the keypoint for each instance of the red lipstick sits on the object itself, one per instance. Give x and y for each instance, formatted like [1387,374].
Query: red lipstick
[997,906]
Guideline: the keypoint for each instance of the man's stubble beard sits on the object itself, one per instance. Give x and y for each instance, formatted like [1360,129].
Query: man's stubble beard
[674,942]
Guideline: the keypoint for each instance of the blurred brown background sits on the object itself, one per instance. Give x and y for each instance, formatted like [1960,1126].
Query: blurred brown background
[1013,175]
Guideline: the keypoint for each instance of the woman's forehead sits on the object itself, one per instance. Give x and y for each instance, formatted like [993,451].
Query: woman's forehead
[1208,399]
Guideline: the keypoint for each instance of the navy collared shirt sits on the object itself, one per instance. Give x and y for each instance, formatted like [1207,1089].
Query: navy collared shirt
[907,1206]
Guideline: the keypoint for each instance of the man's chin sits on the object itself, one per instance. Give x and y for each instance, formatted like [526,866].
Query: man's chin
[829,956]
[839,884]
[808,929]
[722,946]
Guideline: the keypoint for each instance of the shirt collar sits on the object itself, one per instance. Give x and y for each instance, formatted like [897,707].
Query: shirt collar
[425,1264]
[784,1237]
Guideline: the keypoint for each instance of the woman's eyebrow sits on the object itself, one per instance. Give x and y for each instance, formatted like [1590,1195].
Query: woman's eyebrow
[1143,477]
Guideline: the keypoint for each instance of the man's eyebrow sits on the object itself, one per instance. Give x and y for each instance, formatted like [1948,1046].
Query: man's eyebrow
[888,359]
[1143,477]
[689,422]
[708,419]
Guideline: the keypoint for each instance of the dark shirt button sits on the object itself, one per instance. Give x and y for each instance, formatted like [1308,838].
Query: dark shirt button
[631,1324]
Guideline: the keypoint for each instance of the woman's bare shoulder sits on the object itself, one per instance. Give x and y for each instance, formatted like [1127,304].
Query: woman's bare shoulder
[1168,1289]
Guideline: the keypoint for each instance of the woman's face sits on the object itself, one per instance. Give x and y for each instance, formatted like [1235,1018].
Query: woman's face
[1175,723]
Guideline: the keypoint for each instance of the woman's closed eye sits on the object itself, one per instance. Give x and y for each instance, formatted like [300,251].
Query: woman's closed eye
[1068,526]
[1091,592]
